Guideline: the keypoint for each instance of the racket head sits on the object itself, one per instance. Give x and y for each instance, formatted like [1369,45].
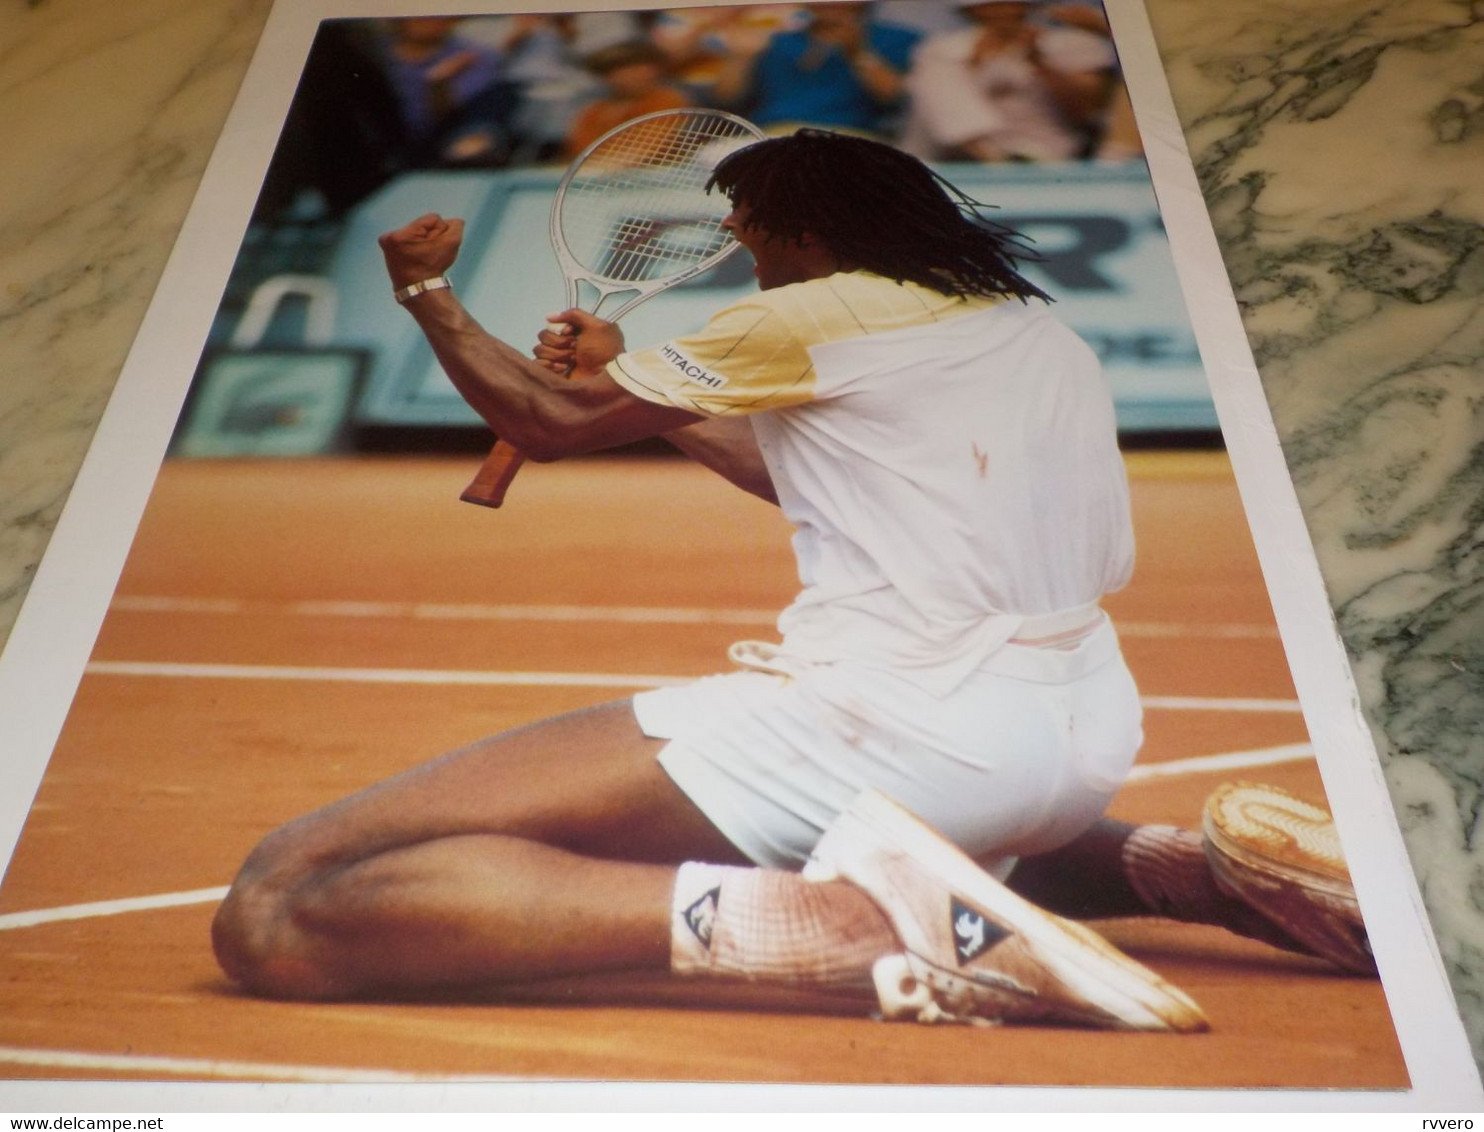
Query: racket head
[632,212]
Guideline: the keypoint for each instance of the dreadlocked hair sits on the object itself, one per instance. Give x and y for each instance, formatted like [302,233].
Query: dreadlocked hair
[877,209]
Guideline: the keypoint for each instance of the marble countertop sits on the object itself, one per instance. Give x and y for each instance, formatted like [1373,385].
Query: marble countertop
[1338,144]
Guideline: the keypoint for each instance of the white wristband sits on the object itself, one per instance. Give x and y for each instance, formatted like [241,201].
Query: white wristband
[437,283]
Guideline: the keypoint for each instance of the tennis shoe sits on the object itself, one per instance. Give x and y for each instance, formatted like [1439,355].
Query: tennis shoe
[1281,857]
[975,952]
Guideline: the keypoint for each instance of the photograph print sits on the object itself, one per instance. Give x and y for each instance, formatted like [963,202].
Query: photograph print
[699,547]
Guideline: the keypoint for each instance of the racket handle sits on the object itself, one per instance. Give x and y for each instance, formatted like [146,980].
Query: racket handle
[488,487]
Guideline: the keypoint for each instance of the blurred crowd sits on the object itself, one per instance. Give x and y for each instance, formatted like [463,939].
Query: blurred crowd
[986,80]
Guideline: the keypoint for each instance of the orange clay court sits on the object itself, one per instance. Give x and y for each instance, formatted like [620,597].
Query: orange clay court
[287,632]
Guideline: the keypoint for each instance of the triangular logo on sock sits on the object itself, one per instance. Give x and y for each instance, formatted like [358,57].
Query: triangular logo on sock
[973,934]
[700,917]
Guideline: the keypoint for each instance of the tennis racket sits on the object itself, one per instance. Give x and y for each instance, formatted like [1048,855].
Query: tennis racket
[632,218]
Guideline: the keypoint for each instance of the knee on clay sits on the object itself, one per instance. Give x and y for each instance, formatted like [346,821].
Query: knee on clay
[261,934]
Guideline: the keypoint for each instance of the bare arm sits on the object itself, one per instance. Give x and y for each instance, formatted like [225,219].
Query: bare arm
[523,401]
[728,447]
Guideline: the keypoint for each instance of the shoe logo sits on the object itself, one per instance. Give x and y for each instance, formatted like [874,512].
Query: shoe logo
[700,917]
[973,935]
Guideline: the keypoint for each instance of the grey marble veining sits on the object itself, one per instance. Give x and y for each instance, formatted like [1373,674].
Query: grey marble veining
[108,113]
[1339,147]
[1338,143]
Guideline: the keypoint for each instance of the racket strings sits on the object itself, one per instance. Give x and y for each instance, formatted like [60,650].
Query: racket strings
[636,208]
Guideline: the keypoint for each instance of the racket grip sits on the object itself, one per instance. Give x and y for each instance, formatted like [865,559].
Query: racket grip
[488,487]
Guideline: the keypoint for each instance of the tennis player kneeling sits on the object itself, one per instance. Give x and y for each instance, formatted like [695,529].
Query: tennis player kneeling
[904,796]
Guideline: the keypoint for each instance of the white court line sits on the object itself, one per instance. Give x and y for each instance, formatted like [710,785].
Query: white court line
[1232,760]
[636,614]
[230,1070]
[109,908]
[146,604]
[543,679]
[642,614]
[431,611]
[1217,703]
[1235,631]
[380,675]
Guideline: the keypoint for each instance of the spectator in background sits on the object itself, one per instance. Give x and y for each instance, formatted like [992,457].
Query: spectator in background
[925,17]
[1118,134]
[543,61]
[1009,88]
[1120,139]
[844,70]
[453,100]
[343,137]
[636,81]
[699,41]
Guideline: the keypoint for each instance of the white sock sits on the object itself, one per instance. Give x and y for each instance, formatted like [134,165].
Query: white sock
[764,925]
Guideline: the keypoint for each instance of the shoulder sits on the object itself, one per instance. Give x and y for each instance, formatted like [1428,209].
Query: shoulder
[745,359]
[780,320]
[793,306]
[762,324]
[851,304]
[758,306]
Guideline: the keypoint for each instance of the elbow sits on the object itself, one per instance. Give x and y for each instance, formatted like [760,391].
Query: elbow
[575,418]
[546,436]
[541,447]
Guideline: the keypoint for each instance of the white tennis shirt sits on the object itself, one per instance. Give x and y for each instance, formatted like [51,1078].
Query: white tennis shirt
[950,466]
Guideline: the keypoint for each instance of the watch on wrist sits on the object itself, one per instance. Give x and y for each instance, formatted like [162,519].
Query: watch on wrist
[437,283]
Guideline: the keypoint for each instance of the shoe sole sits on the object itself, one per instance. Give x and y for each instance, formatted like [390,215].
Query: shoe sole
[1281,856]
[1121,992]
[1265,830]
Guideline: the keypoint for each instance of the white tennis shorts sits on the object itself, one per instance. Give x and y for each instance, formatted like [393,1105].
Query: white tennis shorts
[1020,759]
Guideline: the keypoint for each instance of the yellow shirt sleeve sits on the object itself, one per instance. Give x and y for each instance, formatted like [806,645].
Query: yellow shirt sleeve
[746,360]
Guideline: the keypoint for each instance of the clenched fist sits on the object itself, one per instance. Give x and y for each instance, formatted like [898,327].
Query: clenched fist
[421,250]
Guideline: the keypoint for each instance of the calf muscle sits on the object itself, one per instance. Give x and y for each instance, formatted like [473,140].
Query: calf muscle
[542,851]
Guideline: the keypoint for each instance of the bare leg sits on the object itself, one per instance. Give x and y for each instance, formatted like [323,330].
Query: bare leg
[1084,879]
[1094,877]
[544,851]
